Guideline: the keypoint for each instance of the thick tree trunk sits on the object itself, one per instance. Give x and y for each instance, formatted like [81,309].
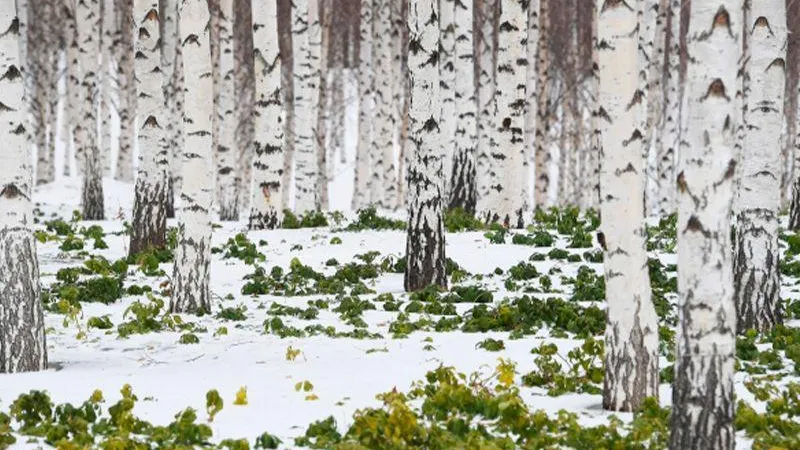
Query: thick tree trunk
[88,13]
[149,227]
[366,107]
[504,202]
[463,189]
[127,91]
[487,66]
[306,43]
[670,141]
[266,209]
[190,291]
[703,395]
[631,339]
[756,253]
[543,155]
[22,336]
[425,244]
[227,155]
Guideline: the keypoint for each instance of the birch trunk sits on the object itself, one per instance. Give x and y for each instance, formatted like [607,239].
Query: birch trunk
[149,227]
[532,93]
[382,187]
[486,104]
[447,82]
[543,151]
[463,189]
[504,202]
[631,338]
[595,142]
[703,394]
[227,154]
[756,253]
[73,89]
[306,46]
[366,99]
[127,91]
[266,209]
[22,335]
[172,124]
[88,13]
[323,107]
[672,122]
[190,291]
[425,244]
[106,103]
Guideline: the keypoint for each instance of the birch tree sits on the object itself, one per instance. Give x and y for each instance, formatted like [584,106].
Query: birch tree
[703,394]
[382,187]
[425,242]
[631,338]
[22,336]
[531,90]
[227,156]
[505,200]
[756,253]
[105,103]
[361,193]
[88,13]
[172,119]
[127,90]
[190,292]
[447,82]
[306,46]
[544,155]
[672,122]
[149,226]
[463,189]
[266,209]
[486,91]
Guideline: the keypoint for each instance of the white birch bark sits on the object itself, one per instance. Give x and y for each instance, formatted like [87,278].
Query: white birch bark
[649,37]
[127,91]
[323,107]
[667,151]
[463,189]
[794,210]
[592,182]
[266,209]
[703,394]
[73,89]
[366,100]
[631,338]
[756,252]
[486,104]
[425,244]
[543,150]
[22,336]
[447,82]
[504,202]
[88,14]
[532,93]
[382,186]
[105,102]
[227,154]
[149,224]
[190,291]
[172,124]
[306,47]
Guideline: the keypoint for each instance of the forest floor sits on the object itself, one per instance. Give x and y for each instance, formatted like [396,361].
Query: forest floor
[334,328]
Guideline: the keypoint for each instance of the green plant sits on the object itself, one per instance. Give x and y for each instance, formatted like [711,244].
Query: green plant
[368,219]
[457,220]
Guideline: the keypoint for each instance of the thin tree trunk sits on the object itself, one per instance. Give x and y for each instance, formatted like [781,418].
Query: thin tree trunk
[703,394]
[447,82]
[672,122]
[425,244]
[266,205]
[756,253]
[190,290]
[149,225]
[486,104]
[105,103]
[323,108]
[127,91]
[543,150]
[88,14]
[227,154]
[172,123]
[463,189]
[73,89]
[22,335]
[366,100]
[306,42]
[532,92]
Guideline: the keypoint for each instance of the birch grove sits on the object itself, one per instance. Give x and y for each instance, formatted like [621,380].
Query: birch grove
[631,338]
[22,328]
[190,292]
[702,396]
[227,156]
